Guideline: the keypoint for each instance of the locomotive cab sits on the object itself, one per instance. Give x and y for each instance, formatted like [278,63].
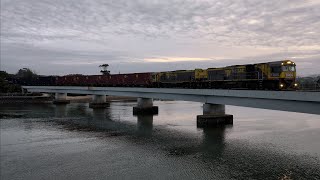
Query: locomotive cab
[285,73]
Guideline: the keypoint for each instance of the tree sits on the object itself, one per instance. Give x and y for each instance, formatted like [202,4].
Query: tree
[104,69]
[3,74]
[26,73]
[5,85]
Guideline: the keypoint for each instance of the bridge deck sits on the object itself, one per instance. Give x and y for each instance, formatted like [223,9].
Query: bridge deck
[295,101]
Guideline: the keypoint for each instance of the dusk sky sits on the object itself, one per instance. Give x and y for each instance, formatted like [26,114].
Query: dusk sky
[76,36]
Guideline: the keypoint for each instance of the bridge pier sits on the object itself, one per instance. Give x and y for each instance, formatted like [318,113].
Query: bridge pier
[61,98]
[98,101]
[214,115]
[145,106]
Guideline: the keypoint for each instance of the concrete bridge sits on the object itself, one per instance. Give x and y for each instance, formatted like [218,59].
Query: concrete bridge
[214,99]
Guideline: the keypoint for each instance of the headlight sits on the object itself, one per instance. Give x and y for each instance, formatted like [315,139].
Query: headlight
[281,85]
[295,84]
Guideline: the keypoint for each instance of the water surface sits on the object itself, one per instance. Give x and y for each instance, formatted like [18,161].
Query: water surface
[75,142]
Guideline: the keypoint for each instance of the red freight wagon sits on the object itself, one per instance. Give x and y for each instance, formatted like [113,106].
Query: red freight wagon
[83,80]
[66,80]
[92,80]
[103,80]
[96,80]
[129,79]
[143,79]
[59,80]
[116,80]
[135,79]
[70,80]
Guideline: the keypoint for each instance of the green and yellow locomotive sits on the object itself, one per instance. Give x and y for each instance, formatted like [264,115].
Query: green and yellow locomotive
[278,75]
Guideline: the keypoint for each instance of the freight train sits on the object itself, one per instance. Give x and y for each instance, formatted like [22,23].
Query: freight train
[278,75]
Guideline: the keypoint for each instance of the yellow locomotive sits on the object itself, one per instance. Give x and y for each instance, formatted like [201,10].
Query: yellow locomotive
[278,75]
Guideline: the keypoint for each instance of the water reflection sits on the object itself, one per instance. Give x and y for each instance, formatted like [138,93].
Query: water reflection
[213,142]
[102,120]
[100,115]
[60,110]
[146,136]
[145,125]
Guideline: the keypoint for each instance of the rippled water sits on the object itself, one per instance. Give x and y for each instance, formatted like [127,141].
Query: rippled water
[75,142]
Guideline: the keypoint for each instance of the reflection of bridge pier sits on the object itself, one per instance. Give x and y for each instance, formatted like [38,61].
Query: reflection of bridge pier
[214,136]
[145,124]
[102,120]
[99,114]
[61,110]
[214,141]
[213,115]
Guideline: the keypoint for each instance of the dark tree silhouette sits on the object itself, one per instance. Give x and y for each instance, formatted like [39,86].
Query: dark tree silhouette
[104,69]
[26,73]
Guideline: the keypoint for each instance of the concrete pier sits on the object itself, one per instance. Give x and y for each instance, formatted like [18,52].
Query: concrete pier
[98,101]
[214,115]
[145,106]
[61,98]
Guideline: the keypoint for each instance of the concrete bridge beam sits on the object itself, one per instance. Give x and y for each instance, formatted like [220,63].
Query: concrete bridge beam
[214,115]
[98,101]
[293,101]
[145,106]
[61,98]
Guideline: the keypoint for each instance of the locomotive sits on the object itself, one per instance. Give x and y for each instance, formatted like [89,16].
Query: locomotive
[276,75]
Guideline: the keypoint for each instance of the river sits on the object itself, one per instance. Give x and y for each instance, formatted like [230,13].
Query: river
[75,142]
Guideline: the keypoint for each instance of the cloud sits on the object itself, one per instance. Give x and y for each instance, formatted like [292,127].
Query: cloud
[61,34]
[175,59]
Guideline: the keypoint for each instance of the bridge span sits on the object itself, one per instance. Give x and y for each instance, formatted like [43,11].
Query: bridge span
[293,101]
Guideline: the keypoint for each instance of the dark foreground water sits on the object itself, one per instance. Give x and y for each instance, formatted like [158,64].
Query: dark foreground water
[75,142]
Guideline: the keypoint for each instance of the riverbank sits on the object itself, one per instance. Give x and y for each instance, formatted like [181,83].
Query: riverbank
[25,99]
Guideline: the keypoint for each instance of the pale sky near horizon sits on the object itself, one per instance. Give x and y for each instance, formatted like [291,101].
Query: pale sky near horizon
[76,36]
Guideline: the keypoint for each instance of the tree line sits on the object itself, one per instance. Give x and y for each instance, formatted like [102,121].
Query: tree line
[309,83]
[6,84]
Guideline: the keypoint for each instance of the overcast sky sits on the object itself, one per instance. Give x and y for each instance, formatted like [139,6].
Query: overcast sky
[76,36]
